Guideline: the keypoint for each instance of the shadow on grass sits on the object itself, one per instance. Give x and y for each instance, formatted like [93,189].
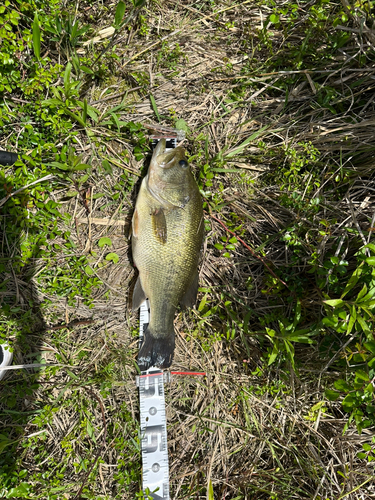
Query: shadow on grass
[21,326]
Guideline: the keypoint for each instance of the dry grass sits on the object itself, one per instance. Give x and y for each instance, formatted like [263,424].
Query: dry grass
[255,433]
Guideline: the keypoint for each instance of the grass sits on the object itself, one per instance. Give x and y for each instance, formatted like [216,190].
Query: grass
[277,103]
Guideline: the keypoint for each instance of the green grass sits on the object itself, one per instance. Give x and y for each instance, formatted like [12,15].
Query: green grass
[276,101]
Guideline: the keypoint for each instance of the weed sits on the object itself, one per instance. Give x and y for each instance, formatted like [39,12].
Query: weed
[171,58]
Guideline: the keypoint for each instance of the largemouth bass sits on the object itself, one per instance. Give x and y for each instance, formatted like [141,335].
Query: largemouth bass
[167,232]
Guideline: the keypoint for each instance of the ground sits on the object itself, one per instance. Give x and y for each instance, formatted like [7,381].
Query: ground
[277,103]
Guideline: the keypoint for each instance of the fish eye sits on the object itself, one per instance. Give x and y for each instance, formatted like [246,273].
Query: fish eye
[183,163]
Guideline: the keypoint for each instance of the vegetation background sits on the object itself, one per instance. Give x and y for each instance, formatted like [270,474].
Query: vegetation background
[278,105]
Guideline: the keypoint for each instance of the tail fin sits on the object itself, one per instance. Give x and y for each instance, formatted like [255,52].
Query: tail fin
[156,351]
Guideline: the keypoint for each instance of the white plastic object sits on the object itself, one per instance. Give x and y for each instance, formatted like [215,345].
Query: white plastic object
[6,357]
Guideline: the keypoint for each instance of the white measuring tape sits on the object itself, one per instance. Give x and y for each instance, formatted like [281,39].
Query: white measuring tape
[155,466]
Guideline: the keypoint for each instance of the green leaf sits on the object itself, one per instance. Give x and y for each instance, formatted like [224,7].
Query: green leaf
[202,303]
[366,447]
[348,402]
[290,350]
[90,430]
[84,114]
[89,271]
[54,102]
[98,195]
[362,293]
[210,492]
[334,302]
[75,117]
[20,491]
[82,179]
[371,246]
[273,355]
[274,19]
[120,11]
[81,166]
[352,319]
[296,337]
[370,346]
[352,280]
[104,241]
[67,72]
[331,395]
[270,332]
[4,442]
[242,146]
[116,121]
[341,385]
[60,166]
[370,261]
[87,70]
[361,375]
[71,374]
[70,194]
[331,321]
[182,125]
[154,107]
[107,166]
[74,31]
[363,324]
[90,110]
[361,455]
[36,36]
[368,296]
[113,257]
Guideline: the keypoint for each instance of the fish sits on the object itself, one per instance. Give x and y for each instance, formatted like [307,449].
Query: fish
[167,235]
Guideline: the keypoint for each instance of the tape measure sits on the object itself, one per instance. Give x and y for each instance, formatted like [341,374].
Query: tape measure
[155,467]
[170,142]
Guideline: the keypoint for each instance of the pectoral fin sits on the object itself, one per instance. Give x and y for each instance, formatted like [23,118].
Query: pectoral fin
[135,224]
[139,295]
[159,225]
[190,297]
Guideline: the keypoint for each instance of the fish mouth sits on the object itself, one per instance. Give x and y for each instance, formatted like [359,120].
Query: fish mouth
[166,160]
